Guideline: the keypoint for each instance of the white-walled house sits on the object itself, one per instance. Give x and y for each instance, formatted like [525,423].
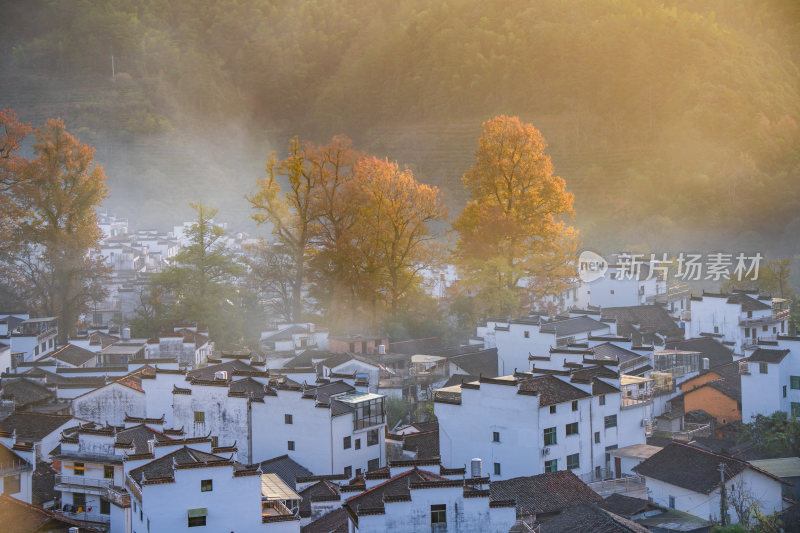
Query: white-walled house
[624,289]
[16,470]
[418,501]
[527,424]
[190,488]
[740,317]
[110,403]
[688,479]
[770,378]
[42,430]
[294,337]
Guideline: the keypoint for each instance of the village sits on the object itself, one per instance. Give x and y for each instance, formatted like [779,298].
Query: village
[625,408]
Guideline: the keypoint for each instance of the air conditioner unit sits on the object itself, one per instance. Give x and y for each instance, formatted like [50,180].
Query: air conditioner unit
[545,451]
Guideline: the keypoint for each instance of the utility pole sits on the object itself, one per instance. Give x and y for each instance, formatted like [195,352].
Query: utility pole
[723,504]
[113,73]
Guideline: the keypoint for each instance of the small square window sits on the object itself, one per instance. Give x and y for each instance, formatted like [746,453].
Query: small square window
[572,429]
[346,443]
[672,502]
[438,514]
[195,521]
[527,334]
[79,499]
[716,329]
[206,485]
[373,464]
[290,446]
[602,399]
[287,419]
[199,417]
[784,391]
[763,368]
[497,469]
[358,444]
[11,484]
[611,421]
[597,437]
[573,461]
[348,471]
[105,506]
[373,437]
[108,472]
[79,469]
[552,409]
[495,436]
[575,405]
[551,465]
[794,382]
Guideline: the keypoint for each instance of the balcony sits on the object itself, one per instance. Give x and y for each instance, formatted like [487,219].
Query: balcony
[119,496]
[87,517]
[84,484]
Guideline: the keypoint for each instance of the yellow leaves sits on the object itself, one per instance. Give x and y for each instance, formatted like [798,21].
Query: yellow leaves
[516,209]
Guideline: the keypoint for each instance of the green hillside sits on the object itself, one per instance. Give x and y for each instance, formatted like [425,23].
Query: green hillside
[663,117]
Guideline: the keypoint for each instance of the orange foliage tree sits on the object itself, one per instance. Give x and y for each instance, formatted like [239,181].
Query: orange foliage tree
[512,232]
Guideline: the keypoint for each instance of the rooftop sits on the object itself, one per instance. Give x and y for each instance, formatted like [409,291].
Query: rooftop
[590,517]
[548,493]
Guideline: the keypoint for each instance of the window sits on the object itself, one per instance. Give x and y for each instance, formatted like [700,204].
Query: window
[575,405]
[287,419]
[105,506]
[574,461]
[527,334]
[552,409]
[108,472]
[716,329]
[79,499]
[551,465]
[358,444]
[78,468]
[602,399]
[572,429]
[597,437]
[611,421]
[549,436]
[612,291]
[764,328]
[373,464]
[199,418]
[763,368]
[197,517]
[346,443]
[784,391]
[794,382]
[206,485]
[746,332]
[372,437]
[290,445]
[348,471]
[749,314]
[11,484]
[438,514]
[671,502]
[795,410]
[497,469]
[496,436]
[214,441]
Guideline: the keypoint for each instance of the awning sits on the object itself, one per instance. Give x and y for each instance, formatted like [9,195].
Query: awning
[194,513]
[273,488]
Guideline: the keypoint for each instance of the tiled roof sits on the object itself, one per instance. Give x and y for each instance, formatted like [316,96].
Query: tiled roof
[548,493]
[424,443]
[99,338]
[162,468]
[641,322]
[747,302]
[249,386]
[716,352]
[690,467]
[286,333]
[479,363]
[612,352]
[235,365]
[764,355]
[285,467]
[72,355]
[33,427]
[589,517]
[572,326]
[43,483]
[397,486]
[137,437]
[333,522]
[627,506]
[25,392]
[551,390]
[601,387]
[321,491]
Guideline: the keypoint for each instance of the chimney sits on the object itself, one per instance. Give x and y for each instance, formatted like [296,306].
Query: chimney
[126,333]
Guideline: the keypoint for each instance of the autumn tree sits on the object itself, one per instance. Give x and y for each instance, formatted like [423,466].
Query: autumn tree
[392,235]
[513,228]
[52,200]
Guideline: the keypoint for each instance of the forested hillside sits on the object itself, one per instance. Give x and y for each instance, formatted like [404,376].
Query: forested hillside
[663,117]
